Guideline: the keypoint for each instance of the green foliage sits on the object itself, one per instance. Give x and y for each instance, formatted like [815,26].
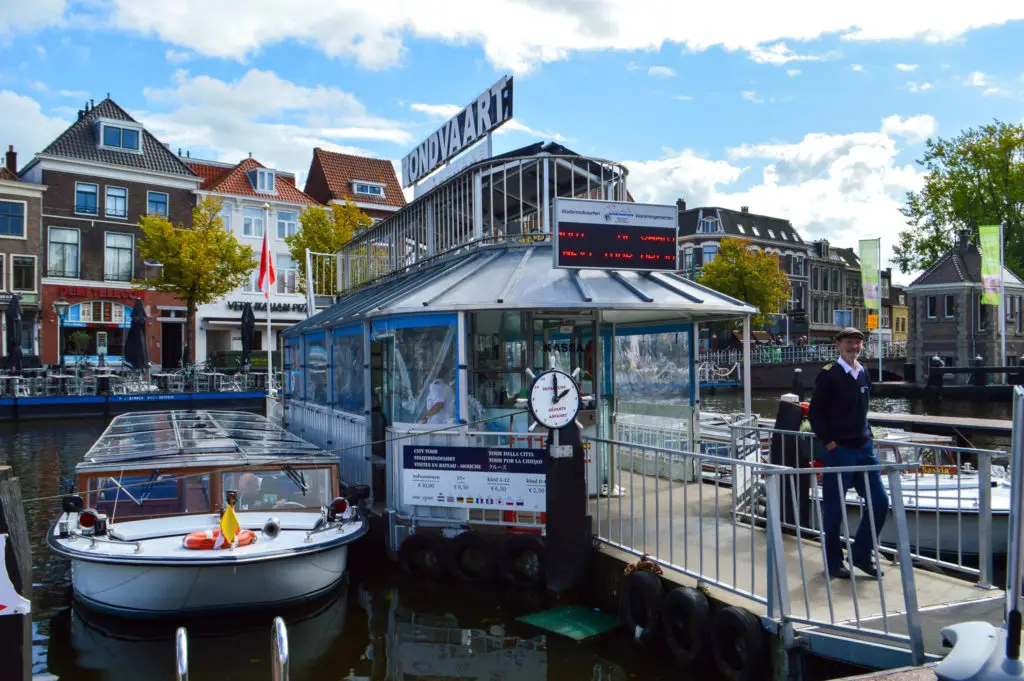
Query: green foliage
[324,230]
[974,179]
[750,275]
[199,264]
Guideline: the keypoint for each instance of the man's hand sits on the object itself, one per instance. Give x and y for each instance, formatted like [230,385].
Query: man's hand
[830,446]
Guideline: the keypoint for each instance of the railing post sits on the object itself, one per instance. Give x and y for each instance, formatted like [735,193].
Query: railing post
[279,651]
[906,568]
[984,521]
[778,580]
[181,654]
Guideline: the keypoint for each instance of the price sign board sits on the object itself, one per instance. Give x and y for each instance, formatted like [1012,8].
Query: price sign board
[499,478]
[616,235]
[872,321]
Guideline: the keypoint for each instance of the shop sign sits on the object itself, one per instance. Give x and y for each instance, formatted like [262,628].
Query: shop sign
[615,235]
[274,307]
[568,347]
[481,152]
[98,292]
[482,116]
[474,477]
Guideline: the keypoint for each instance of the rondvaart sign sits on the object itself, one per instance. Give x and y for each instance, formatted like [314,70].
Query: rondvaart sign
[483,115]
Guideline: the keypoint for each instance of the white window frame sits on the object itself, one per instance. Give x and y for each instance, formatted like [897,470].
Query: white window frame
[106,201]
[3,275]
[35,272]
[945,305]
[87,184]
[24,220]
[364,188]
[279,222]
[225,217]
[122,126]
[168,203]
[930,313]
[263,185]
[282,275]
[78,250]
[105,247]
[246,218]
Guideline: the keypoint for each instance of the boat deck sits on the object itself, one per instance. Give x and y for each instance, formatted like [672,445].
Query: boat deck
[690,526]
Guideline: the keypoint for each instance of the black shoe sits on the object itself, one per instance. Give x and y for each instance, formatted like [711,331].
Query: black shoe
[839,572]
[869,569]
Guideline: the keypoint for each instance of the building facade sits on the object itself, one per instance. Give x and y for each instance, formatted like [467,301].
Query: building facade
[836,295]
[102,175]
[369,183]
[900,314]
[255,199]
[21,208]
[702,229]
[947,319]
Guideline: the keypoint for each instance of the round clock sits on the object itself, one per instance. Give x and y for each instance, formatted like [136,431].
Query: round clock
[554,399]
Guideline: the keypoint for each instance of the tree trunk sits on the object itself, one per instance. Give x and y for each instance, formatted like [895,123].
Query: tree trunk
[190,333]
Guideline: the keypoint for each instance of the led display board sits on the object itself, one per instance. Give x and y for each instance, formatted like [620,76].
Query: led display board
[617,235]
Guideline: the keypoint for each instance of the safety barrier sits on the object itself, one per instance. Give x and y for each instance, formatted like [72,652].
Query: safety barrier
[334,431]
[801,354]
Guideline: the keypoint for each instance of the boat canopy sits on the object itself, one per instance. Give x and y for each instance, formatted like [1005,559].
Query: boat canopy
[196,438]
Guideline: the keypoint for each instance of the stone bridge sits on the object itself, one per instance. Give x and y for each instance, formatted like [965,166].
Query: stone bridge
[780,376]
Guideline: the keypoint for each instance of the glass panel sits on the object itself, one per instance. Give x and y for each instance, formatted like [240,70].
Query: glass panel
[130,139]
[117,202]
[85,198]
[317,390]
[348,373]
[264,490]
[157,204]
[111,136]
[149,495]
[291,369]
[23,269]
[422,377]
[12,218]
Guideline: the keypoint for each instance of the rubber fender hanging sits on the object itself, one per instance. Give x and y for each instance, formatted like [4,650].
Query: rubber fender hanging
[737,644]
[686,624]
[422,555]
[641,604]
[522,559]
[472,557]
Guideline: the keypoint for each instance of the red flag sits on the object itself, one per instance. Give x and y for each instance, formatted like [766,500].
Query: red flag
[267,276]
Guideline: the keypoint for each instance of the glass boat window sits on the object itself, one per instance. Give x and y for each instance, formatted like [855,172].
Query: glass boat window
[148,495]
[264,490]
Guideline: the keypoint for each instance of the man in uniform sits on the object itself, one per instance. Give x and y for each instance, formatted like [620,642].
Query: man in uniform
[838,416]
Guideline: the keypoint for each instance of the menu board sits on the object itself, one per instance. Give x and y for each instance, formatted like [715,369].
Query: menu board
[615,235]
[498,478]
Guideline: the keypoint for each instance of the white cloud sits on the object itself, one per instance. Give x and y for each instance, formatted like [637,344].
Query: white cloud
[918,87]
[440,111]
[41,51]
[177,57]
[977,79]
[907,67]
[278,121]
[913,128]
[996,91]
[751,96]
[842,187]
[792,72]
[515,126]
[661,72]
[683,98]
[26,126]
[30,16]
[534,32]
[857,67]
[39,86]
[76,94]
[780,53]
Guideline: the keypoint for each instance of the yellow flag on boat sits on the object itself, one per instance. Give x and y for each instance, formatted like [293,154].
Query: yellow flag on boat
[229,525]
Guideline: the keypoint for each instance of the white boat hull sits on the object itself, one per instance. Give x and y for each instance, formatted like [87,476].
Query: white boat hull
[945,535]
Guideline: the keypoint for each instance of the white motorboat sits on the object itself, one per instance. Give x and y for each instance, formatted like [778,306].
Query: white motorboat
[143,535]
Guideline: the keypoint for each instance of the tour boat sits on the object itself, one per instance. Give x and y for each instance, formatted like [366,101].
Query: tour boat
[144,531]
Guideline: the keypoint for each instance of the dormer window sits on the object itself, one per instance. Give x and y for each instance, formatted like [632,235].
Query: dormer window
[771,234]
[262,180]
[368,189]
[119,136]
[709,225]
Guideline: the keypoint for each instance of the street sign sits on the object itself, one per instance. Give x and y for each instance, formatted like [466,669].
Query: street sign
[872,321]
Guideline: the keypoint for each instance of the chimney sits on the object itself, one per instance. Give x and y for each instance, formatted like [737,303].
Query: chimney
[681,204]
[12,159]
[744,209]
[963,240]
[92,103]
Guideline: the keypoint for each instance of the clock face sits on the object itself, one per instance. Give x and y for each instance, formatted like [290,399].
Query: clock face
[554,399]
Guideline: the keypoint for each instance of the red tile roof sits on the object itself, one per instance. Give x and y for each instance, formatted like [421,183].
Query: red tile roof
[236,181]
[6,174]
[341,170]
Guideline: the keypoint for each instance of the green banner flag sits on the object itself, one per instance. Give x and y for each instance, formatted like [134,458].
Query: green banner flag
[991,263]
[869,275]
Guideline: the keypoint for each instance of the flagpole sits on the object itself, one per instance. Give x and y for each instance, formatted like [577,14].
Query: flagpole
[1002,297]
[266,296]
[878,243]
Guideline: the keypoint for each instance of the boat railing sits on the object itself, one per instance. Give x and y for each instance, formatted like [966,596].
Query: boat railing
[279,650]
[181,654]
[733,537]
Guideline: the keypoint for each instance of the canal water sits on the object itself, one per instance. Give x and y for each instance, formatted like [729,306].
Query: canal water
[377,626]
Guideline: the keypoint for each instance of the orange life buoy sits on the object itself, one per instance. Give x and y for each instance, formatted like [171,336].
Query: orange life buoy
[211,539]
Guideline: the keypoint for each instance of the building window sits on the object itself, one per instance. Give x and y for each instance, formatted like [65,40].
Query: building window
[814,278]
[116,137]
[367,189]
[950,306]
[12,219]
[262,180]
[118,262]
[755,230]
[885,288]
[710,252]
[252,223]
[688,261]
[771,234]
[253,285]
[287,224]
[287,273]
[225,218]
[117,202]
[980,316]
[743,230]
[3,273]
[842,318]
[931,307]
[85,198]
[23,273]
[156,203]
[885,318]
[62,253]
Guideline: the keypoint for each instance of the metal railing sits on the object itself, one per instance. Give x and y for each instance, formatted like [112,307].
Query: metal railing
[800,354]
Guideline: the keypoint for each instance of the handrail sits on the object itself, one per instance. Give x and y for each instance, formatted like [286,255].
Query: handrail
[181,654]
[279,650]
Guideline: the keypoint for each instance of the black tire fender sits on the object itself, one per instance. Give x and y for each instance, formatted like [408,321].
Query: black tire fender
[737,644]
[468,542]
[422,555]
[686,624]
[518,549]
[641,604]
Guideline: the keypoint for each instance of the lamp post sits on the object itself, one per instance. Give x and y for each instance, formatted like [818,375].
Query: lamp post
[61,308]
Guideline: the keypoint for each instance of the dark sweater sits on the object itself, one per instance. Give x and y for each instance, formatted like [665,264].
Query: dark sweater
[839,406]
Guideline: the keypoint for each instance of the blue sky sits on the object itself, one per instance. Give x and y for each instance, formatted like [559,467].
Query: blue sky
[799,110]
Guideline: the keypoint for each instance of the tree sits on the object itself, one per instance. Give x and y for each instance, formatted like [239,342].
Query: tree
[324,230]
[750,275]
[200,264]
[974,179]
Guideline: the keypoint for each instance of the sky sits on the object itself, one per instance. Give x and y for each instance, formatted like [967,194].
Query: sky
[810,111]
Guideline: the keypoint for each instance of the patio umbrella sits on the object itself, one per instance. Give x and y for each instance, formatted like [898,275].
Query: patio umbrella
[14,335]
[135,350]
[248,333]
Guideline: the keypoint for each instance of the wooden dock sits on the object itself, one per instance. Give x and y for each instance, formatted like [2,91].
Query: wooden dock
[942,425]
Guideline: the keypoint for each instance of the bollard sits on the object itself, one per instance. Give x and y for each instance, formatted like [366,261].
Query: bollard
[798,383]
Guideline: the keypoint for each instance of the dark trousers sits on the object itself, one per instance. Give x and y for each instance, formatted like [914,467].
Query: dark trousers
[833,500]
